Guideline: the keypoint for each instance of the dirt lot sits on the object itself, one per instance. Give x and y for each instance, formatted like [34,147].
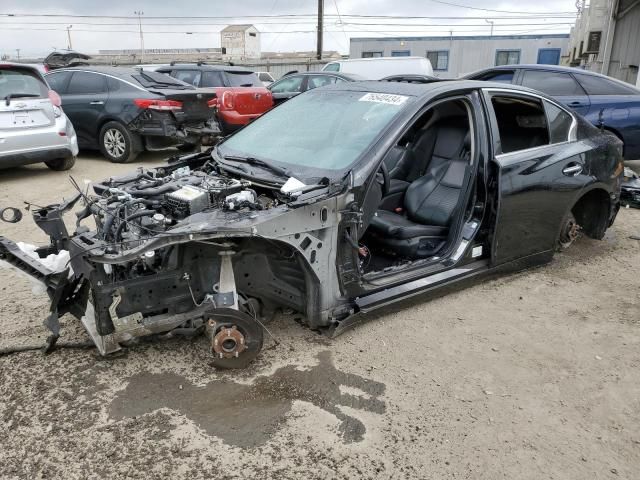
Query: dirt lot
[532,376]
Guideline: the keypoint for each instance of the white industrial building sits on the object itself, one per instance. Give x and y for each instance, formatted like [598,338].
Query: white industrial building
[240,42]
[606,38]
[452,56]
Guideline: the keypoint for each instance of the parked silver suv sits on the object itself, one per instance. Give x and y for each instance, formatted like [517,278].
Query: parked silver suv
[33,127]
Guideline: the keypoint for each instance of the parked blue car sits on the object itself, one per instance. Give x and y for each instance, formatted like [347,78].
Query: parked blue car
[602,100]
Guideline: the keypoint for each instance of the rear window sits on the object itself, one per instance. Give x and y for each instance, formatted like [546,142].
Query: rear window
[243,79]
[212,79]
[17,81]
[191,77]
[603,86]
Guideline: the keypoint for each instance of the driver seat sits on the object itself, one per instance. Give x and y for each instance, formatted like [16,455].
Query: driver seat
[430,205]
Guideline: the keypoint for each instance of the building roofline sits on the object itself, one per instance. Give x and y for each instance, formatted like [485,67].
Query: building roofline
[461,37]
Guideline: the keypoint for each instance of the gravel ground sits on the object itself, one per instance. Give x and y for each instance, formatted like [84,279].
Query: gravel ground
[534,375]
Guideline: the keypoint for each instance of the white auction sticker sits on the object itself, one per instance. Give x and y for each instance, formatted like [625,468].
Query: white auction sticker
[389,98]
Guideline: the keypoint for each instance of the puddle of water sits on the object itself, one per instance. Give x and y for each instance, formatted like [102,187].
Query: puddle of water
[249,415]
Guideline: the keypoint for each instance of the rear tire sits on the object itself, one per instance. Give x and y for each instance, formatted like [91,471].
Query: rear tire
[61,164]
[118,144]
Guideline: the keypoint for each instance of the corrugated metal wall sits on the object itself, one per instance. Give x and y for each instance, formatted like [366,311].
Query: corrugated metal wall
[625,51]
[466,54]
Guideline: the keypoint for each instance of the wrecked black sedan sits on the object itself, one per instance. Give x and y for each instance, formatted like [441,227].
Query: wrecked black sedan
[340,201]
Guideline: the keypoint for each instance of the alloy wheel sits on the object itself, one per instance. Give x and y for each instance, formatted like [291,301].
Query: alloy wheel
[114,142]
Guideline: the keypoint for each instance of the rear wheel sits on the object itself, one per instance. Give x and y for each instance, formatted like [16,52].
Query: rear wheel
[118,144]
[61,164]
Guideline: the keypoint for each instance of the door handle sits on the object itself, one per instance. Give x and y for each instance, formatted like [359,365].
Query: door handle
[97,102]
[575,104]
[572,169]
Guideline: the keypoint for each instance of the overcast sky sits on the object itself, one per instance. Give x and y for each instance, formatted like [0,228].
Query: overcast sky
[38,35]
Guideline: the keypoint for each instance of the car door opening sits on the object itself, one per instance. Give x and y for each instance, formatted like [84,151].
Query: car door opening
[424,195]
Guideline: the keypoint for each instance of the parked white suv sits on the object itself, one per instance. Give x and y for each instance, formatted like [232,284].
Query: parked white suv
[33,127]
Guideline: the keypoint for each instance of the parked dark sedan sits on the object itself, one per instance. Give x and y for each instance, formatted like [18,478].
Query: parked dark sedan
[372,193]
[294,84]
[604,101]
[123,111]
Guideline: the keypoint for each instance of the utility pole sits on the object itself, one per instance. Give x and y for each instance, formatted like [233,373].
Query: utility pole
[139,13]
[320,19]
[18,52]
[491,22]
[69,36]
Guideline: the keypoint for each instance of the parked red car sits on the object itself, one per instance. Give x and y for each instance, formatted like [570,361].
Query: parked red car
[241,96]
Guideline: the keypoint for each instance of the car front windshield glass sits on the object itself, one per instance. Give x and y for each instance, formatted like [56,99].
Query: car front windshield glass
[325,130]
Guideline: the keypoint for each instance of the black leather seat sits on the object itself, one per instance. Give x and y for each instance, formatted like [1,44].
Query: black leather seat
[430,202]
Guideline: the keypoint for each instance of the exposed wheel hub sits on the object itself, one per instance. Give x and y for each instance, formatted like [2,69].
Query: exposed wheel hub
[236,338]
[228,342]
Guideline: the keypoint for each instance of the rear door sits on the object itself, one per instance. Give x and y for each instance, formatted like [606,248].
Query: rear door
[560,85]
[540,172]
[24,107]
[84,102]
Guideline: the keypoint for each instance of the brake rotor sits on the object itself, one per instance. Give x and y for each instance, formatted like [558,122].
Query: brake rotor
[570,232]
[236,337]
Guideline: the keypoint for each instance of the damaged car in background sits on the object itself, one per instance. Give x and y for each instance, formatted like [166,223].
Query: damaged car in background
[630,194]
[123,111]
[343,200]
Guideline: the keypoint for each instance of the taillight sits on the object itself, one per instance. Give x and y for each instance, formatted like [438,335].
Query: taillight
[46,69]
[55,99]
[164,105]
[213,103]
[227,100]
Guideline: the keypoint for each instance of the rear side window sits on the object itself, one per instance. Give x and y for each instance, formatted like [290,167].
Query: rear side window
[332,67]
[603,86]
[503,76]
[289,84]
[84,83]
[243,79]
[559,123]
[551,83]
[17,81]
[316,81]
[212,79]
[191,77]
[522,123]
[58,81]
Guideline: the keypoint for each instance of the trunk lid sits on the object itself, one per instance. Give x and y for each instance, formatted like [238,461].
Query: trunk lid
[248,100]
[26,113]
[195,106]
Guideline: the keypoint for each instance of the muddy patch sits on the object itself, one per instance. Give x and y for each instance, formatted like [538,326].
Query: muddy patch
[249,415]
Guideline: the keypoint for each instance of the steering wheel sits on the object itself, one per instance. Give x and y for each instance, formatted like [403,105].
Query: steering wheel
[386,181]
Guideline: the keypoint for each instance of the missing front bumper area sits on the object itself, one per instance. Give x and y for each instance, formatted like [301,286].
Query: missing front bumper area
[134,308]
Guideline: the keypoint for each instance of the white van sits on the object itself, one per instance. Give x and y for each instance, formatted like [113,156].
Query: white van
[377,68]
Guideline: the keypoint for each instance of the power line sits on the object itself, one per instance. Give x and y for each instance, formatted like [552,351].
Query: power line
[451,4]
